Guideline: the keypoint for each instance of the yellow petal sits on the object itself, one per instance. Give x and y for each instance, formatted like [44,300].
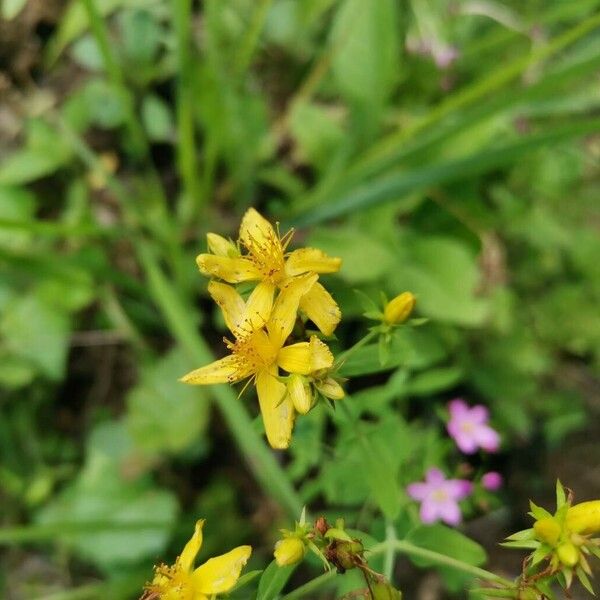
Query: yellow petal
[321,309]
[306,260]
[305,357]
[285,310]
[295,358]
[320,354]
[276,408]
[220,246]
[231,304]
[224,370]
[232,270]
[191,549]
[300,393]
[256,231]
[398,309]
[260,304]
[220,574]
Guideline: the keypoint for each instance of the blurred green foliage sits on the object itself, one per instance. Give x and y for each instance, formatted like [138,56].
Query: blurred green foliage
[447,148]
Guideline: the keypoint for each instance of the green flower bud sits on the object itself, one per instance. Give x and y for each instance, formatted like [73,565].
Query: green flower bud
[330,388]
[289,551]
[398,310]
[383,590]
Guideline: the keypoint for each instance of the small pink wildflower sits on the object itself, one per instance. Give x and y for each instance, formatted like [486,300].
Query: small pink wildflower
[469,429]
[439,497]
[492,481]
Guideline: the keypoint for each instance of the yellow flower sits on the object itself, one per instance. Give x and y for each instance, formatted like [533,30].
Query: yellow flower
[399,308]
[259,353]
[182,582]
[267,262]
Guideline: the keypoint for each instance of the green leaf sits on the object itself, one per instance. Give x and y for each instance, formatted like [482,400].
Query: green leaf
[34,330]
[444,275]
[317,133]
[364,258]
[16,204]
[131,520]
[446,541]
[434,381]
[410,348]
[273,581]
[165,415]
[365,48]
[395,186]
[157,118]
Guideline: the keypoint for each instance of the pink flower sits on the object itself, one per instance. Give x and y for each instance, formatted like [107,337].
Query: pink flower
[439,497]
[469,429]
[492,481]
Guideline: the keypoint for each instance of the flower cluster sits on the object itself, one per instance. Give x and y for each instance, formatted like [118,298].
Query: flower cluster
[181,581]
[336,548]
[561,544]
[440,497]
[288,374]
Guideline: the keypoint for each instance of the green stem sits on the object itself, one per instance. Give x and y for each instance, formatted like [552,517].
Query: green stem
[362,342]
[390,553]
[115,75]
[308,589]
[183,328]
[186,147]
[443,560]
[250,40]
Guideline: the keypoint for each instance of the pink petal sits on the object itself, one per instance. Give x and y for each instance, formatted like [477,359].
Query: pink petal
[465,442]
[457,408]
[458,489]
[449,512]
[479,414]
[487,438]
[429,512]
[418,491]
[492,481]
[434,476]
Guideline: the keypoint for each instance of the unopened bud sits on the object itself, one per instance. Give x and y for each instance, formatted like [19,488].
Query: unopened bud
[220,246]
[383,590]
[584,517]
[330,388]
[529,594]
[568,554]
[321,525]
[547,530]
[300,393]
[289,551]
[398,310]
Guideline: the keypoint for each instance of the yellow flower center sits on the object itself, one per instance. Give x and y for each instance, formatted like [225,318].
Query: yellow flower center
[268,254]
[253,352]
[440,496]
[171,583]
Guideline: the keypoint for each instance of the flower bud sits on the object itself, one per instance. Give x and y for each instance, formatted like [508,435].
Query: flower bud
[382,590]
[398,310]
[547,530]
[584,517]
[289,551]
[529,594]
[300,393]
[492,481]
[330,388]
[568,554]
[220,246]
